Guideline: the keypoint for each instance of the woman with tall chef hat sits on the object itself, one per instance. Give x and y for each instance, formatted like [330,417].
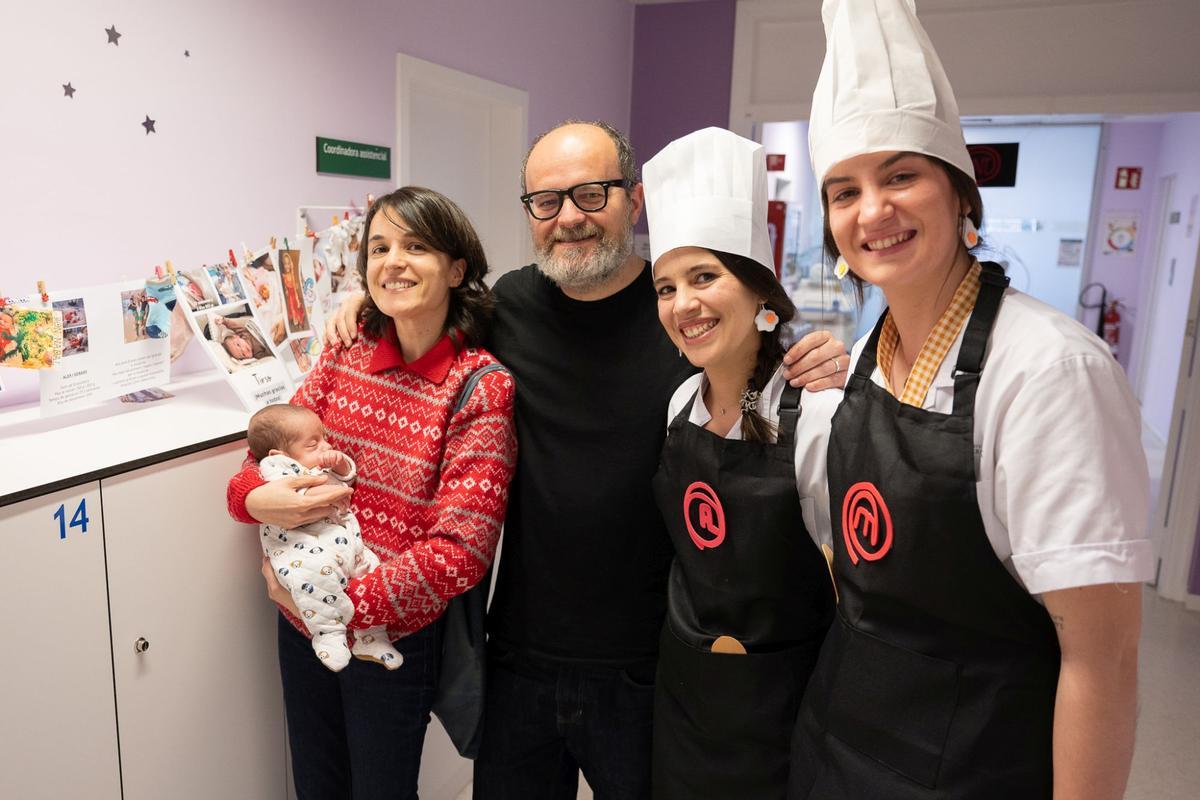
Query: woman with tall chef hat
[741,483]
[988,488]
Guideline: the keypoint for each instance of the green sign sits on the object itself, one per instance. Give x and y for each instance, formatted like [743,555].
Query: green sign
[353,158]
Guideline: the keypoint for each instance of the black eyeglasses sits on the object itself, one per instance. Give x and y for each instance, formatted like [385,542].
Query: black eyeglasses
[591,196]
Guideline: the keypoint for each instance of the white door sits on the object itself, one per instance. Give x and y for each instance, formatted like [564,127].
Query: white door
[200,707]
[1178,509]
[59,720]
[465,137]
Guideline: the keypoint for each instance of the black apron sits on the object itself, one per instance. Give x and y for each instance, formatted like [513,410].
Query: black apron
[745,567]
[939,674]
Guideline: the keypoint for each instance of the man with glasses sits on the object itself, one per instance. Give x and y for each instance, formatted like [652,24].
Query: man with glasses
[581,590]
[581,587]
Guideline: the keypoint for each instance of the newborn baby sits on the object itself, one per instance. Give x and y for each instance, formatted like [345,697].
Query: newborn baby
[315,562]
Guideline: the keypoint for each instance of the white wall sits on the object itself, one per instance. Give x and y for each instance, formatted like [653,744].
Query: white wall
[1003,56]
[1179,155]
[89,197]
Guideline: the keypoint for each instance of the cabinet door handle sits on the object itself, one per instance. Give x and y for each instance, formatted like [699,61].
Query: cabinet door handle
[141,645]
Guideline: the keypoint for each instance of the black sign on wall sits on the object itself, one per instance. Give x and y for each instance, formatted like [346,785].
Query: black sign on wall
[995,164]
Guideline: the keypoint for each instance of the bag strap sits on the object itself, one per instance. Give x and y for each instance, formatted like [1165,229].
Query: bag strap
[469,385]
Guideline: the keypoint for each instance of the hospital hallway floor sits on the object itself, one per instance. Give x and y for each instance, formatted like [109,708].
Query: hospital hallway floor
[1166,759]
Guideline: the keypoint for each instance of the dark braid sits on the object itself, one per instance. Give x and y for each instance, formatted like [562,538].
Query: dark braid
[763,283]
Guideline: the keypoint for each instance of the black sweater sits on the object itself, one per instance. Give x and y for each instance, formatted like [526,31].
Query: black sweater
[583,569]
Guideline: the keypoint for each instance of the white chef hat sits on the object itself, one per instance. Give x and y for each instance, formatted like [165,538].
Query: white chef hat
[709,189]
[882,87]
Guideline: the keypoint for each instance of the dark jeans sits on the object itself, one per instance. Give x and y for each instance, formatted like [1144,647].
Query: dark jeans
[357,734]
[545,721]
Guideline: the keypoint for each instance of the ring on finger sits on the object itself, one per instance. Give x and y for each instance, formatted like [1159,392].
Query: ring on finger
[836,368]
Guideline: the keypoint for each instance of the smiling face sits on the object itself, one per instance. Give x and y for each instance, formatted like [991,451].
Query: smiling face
[894,217]
[581,250]
[705,309]
[408,280]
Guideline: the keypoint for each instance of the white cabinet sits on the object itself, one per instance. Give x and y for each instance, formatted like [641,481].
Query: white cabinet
[194,651]
[57,710]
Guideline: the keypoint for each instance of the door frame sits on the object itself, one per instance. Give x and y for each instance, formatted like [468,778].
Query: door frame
[1178,509]
[508,135]
[1150,283]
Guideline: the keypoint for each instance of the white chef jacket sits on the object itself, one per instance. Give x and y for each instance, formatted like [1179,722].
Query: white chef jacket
[812,439]
[1063,486]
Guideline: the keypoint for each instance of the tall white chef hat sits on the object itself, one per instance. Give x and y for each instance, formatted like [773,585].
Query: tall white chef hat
[709,189]
[882,87]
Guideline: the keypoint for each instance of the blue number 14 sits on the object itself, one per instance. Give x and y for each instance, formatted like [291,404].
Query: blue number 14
[78,520]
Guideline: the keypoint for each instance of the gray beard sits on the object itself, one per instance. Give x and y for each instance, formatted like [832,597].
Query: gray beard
[583,273]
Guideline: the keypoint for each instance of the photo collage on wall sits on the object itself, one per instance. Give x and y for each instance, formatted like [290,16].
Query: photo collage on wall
[115,341]
[221,307]
[30,337]
[283,294]
[335,248]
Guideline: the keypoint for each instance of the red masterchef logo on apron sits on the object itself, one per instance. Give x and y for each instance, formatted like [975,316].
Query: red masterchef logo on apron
[866,523]
[709,514]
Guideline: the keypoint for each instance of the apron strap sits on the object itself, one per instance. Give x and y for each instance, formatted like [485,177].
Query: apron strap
[789,415]
[992,283]
[684,414]
[869,355]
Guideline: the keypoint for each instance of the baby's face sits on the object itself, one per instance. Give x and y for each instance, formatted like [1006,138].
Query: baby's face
[309,442]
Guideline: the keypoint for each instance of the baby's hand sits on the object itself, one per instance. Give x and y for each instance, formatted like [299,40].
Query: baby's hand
[336,461]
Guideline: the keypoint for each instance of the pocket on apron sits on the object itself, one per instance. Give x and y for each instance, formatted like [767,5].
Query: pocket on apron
[893,705]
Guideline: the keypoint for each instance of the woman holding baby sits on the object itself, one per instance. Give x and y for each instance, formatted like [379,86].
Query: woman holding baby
[434,458]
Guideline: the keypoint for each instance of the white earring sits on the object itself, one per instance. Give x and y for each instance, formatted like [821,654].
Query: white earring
[970,234]
[766,319]
[842,268]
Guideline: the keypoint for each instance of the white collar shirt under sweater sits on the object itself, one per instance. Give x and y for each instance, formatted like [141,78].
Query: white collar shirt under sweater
[1063,487]
[812,440]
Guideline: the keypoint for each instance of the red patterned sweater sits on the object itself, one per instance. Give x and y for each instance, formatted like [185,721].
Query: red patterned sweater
[432,487]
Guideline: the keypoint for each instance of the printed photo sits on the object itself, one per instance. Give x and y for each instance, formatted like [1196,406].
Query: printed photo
[225,281]
[73,313]
[235,338]
[135,310]
[306,352]
[75,341]
[261,283]
[30,338]
[196,289]
[293,291]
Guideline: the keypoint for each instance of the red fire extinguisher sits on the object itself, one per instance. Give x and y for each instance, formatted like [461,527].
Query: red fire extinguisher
[1112,327]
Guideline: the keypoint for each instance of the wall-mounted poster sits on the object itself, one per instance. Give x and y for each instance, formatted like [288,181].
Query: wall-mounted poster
[1120,233]
[108,350]
[30,337]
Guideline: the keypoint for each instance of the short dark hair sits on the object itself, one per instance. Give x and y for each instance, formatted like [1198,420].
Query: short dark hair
[626,160]
[271,428]
[963,186]
[437,221]
[761,280]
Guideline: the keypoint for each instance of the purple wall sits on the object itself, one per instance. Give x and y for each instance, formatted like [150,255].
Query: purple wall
[682,71]
[1130,144]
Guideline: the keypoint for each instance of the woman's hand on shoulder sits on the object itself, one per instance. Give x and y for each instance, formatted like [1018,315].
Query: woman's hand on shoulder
[342,324]
[280,503]
[818,361]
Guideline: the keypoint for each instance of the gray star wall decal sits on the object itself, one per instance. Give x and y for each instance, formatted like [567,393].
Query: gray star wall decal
[113,35]
[149,125]
[68,90]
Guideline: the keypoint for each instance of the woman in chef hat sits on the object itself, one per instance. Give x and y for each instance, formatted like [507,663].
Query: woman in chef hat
[741,483]
[988,488]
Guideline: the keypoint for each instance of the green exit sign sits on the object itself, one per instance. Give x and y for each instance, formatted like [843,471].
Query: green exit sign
[338,157]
